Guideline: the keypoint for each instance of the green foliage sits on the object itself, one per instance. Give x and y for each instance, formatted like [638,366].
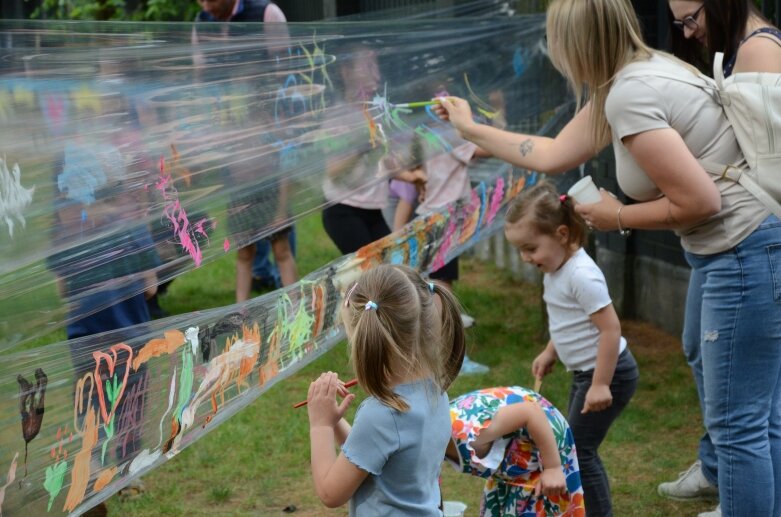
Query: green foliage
[117,10]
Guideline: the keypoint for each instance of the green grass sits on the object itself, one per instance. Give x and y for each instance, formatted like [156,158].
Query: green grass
[258,462]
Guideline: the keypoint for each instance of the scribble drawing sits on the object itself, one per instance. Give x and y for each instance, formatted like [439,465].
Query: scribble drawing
[31,407]
[14,198]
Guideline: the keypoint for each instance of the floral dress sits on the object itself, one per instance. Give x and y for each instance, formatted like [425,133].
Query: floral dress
[512,467]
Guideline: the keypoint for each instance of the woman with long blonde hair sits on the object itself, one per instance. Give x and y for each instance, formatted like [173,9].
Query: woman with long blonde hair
[662,125]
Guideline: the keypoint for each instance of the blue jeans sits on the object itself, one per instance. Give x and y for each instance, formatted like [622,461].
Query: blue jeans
[691,349]
[590,430]
[741,360]
[262,267]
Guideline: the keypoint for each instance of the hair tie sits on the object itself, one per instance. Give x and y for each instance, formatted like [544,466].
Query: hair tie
[431,286]
[563,198]
[370,305]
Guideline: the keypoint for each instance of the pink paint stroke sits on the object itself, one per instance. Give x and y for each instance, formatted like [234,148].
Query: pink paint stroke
[496,201]
[184,232]
[226,245]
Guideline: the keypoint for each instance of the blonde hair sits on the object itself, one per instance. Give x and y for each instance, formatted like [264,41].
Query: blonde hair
[402,333]
[589,42]
[546,211]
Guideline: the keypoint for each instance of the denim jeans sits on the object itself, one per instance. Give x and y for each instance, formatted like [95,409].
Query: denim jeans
[741,360]
[589,430]
[692,338]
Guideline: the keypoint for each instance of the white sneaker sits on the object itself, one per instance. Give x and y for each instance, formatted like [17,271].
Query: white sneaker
[467,320]
[714,513]
[691,484]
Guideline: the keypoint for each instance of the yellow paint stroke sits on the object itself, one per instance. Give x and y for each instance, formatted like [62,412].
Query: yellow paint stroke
[81,466]
[24,97]
[483,107]
[87,99]
[159,346]
[104,478]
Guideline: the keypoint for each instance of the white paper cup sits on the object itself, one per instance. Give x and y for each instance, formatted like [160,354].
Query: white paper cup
[585,192]
[454,509]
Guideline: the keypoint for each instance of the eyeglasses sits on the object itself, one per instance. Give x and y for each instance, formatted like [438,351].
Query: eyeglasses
[690,21]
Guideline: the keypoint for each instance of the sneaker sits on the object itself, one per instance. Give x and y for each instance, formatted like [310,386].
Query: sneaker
[467,320]
[714,513]
[470,367]
[690,485]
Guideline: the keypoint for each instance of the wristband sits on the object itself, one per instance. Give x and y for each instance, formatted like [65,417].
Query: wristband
[623,232]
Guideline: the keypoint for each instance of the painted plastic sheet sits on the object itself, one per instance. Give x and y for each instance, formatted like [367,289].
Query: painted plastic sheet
[135,153]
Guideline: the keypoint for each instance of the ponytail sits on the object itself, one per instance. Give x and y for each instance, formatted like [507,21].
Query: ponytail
[453,337]
[547,210]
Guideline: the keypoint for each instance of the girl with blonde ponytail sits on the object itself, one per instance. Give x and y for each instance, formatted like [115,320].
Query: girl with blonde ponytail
[406,346]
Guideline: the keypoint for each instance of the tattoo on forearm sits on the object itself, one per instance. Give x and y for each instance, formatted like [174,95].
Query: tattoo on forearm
[527,146]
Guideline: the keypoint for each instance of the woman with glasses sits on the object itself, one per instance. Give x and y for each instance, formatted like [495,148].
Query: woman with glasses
[734,27]
[750,44]
[661,128]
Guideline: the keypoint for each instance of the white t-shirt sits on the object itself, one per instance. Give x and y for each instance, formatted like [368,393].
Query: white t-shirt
[572,294]
[640,104]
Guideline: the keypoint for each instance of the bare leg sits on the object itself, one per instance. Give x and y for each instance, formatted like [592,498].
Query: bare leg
[244,258]
[286,262]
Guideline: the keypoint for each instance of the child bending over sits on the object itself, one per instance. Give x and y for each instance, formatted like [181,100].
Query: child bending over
[524,448]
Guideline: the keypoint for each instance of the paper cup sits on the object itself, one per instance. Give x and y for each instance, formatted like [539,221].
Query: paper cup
[454,509]
[585,192]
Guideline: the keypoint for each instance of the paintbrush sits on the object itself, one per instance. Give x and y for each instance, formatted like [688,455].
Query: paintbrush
[421,104]
[348,384]
[537,384]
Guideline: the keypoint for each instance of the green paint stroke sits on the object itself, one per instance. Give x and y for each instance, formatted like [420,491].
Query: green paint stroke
[300,329]
[54,478]
[185,383]
[112,393]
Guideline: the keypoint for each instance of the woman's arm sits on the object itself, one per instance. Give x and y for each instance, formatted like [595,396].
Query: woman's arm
[598,396]
[690,195]
[571,147]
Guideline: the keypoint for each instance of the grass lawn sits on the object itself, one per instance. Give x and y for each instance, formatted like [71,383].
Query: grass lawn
[258,462]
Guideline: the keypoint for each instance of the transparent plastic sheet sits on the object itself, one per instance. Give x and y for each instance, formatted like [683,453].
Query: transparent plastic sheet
[99,411]
[132,153]
[433,10]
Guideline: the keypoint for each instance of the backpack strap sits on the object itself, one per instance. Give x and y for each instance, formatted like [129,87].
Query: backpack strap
[730,172]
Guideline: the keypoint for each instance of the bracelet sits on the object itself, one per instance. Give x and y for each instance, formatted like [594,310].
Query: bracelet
[623,232]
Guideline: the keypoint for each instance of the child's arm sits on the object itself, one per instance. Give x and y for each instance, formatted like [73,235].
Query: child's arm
[529,415]
[599,396]
[543,363]
[335,478]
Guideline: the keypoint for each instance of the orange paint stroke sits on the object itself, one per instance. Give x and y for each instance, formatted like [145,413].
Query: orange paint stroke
[372,126]
[104,479]
[159,346]
[78,403]
[177,169]
[318,309]
[80,473]
[111,362]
